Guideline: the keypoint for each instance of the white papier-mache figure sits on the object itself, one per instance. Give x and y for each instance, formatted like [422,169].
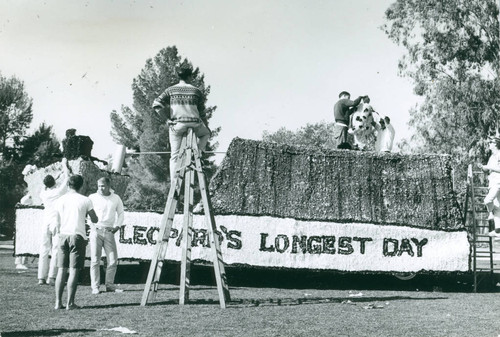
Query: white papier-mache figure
[385,134]
[361,127]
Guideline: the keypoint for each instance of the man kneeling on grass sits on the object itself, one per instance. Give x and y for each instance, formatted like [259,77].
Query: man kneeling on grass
[72,209]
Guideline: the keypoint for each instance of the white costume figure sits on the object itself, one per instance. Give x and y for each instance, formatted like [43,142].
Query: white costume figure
[109,209]
[385,135]
[361,126]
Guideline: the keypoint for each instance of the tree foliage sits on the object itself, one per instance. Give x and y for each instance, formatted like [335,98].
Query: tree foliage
[15,113]
[16,149]
[41,148]
[139,128]
[314,135]
[452,56]
[11,190]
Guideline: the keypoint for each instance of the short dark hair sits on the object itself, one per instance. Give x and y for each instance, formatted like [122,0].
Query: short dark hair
[495,140]
[75,182]
[184,71]
[344,93]
[106,180]
[49,181]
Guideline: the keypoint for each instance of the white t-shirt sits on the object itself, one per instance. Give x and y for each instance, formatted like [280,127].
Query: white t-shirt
[494,161]
[49,198]
[106,209]
[72,209]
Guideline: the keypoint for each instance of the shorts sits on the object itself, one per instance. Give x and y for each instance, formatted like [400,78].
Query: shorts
[71,252]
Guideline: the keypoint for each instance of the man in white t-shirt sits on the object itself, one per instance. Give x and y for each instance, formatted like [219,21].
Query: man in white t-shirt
[72,209]
[109,208]
[49,245]
[492,198]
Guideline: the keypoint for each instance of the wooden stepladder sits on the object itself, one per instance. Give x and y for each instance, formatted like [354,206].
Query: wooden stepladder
[188,164]
[482,246]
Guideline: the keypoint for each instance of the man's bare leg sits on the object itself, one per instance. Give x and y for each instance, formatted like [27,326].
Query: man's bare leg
[60,279]
[72,284]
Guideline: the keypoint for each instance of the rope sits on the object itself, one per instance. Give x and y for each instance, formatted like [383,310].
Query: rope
[165,152]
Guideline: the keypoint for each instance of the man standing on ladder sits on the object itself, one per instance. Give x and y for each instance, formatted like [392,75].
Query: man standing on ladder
[183,106]
[493,167]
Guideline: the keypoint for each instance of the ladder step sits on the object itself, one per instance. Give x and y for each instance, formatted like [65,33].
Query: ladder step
[480,210]
[482,230]
[481,189]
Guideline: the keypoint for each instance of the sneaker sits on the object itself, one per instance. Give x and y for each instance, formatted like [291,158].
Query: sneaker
[198,209]
[41,282]
[21,266]
[73,307]
[95,292]
[113,289]
[494,234]
[52,281]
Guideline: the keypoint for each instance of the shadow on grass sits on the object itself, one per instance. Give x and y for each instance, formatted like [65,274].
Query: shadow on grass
[296,301]
[190,302]
[171,288]
[48,332]
[108,306]
[323,300]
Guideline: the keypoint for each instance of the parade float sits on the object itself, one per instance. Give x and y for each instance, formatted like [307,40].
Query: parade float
[281,206]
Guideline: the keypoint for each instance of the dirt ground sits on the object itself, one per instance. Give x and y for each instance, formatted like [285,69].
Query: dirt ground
[263,303]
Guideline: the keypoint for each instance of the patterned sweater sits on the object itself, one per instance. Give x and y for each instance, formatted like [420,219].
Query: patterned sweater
[183,103]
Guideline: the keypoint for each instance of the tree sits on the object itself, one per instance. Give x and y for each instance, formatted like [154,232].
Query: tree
[11,190]
[41,148]
[15,113]
[452,56]
[314,135]
[139,128]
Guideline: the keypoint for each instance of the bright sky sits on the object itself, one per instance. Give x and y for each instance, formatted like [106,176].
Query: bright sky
[269,63]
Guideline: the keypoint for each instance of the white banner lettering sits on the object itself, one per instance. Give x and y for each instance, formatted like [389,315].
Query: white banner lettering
[287,243]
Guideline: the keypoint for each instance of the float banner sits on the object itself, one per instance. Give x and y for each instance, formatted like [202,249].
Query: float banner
[283,243]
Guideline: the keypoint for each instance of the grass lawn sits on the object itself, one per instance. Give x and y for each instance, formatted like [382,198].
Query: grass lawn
[347,307]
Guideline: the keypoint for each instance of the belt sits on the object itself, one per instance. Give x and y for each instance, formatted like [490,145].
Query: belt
[101,227]
[184,120]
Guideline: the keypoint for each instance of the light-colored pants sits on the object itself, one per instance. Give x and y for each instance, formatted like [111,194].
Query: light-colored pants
[99,239]
[492,202]
[20,260]
[49,246]
[175,134]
